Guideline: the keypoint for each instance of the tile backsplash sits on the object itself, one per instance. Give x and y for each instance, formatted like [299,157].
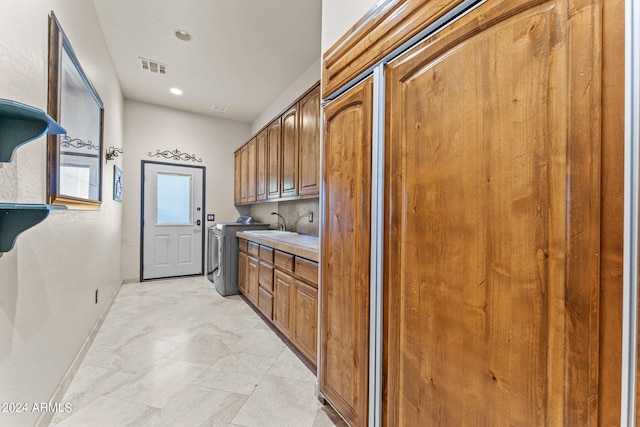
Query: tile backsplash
[294,212]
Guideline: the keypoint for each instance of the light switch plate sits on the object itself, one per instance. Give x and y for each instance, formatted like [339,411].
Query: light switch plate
[211,217]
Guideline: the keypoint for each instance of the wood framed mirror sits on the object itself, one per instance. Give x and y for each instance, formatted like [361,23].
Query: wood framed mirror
[74,175]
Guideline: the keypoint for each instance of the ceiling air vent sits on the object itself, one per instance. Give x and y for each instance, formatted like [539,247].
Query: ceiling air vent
[153,66]
[219,108]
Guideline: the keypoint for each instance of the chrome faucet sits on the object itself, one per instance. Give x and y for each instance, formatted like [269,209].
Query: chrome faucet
[284,224]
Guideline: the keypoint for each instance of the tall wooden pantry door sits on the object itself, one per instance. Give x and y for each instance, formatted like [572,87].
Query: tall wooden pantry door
[493,220]
[343,370]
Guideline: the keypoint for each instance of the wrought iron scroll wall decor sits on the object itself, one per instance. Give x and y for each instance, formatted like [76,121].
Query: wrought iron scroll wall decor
[175,155]
[66,141]
[113,152]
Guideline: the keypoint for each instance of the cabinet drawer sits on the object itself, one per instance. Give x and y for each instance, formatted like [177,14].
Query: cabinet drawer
[283,261]
[254,249]
[307,270]
[265,302]
[266,276]
[266,253]
[242,245]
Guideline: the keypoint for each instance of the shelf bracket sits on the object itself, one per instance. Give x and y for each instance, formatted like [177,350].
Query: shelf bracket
[19,124]
[16,218]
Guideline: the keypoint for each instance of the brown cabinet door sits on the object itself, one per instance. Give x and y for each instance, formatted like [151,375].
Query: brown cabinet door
[244,173]
[274,142]
[289,172]
[282,294]
[309,150]
[344,351]
[242,272]
[305,320]
[261,165]
[237,177]
[251,167]
[265,302]
[492,234]
[253,268]
[265,277]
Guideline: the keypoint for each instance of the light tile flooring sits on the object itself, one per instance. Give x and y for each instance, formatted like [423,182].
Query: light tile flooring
[176,353]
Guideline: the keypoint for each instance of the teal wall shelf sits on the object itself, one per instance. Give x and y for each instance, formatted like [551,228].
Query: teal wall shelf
[16,218]
[19,124]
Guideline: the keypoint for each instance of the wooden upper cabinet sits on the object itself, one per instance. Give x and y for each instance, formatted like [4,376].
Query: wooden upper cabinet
[274,142]
[244,173]
[385,28]
[346,248]
[261,165]
[289,172]
[237,177]
[309,140]
[251,170]
[283,160]
[492,239]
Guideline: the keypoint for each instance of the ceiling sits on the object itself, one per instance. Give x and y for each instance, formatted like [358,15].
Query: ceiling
[243,53]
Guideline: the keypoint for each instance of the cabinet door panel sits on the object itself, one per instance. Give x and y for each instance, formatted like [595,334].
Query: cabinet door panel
[305,318]
[253,267]
[242,272]
[492,176]
[261,165]
[251,171]
[309,157]
[289,173]
[244,173]
[344,356]
[266,276]
[274,142]
[237,177]
[265,302]
[282,312]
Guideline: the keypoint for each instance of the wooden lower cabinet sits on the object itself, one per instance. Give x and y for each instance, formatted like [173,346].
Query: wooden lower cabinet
[252,282]
[265,302]
[346,249]
[283,313]
[304,308]
[284,288]
[243,261]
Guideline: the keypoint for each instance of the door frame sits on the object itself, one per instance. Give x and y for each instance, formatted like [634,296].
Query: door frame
[204,192]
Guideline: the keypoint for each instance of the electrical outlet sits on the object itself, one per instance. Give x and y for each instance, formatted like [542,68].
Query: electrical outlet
[211,217]
[310,216]
[96,296]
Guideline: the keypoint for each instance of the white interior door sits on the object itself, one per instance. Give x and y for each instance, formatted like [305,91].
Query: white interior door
[172,214]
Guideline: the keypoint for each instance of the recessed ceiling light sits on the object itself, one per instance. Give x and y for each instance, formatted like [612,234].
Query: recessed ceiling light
[175,91]
[183,35]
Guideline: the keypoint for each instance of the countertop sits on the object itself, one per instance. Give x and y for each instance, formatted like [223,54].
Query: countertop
[301,245]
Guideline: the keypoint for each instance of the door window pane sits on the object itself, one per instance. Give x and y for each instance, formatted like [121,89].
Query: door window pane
[173,199]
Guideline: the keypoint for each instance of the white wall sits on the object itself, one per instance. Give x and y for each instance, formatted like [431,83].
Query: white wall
[303,83]
[148,128]
[47,282]
[338,16]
